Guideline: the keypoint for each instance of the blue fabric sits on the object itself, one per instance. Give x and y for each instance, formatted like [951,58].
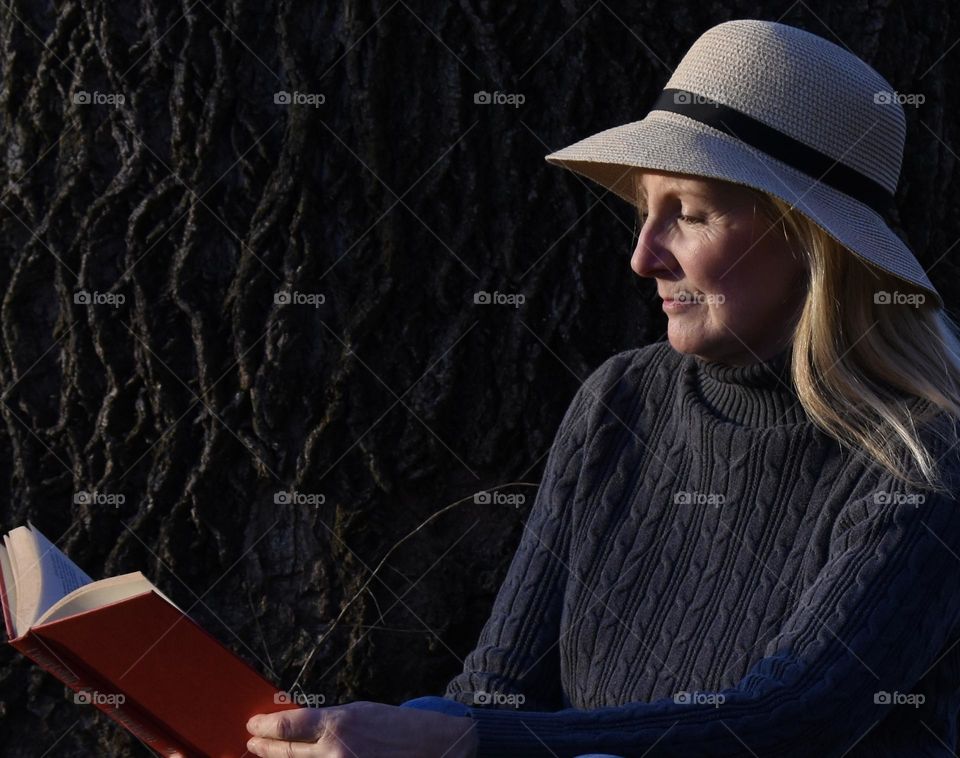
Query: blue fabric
[454,708]
[439,704]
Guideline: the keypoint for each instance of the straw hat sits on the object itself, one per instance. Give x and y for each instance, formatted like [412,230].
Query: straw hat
[782,110]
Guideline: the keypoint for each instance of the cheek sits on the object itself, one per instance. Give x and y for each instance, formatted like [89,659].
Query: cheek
[722,264]
[760,278]
[744,274]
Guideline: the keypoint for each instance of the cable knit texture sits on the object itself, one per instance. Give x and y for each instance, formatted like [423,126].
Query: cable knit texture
[705,573]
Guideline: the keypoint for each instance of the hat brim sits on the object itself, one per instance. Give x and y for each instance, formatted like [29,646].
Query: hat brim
[672,142]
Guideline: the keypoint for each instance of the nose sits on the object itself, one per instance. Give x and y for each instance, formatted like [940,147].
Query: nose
[651,257]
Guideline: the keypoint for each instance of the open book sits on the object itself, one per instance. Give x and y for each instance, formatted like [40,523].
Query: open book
[125,647]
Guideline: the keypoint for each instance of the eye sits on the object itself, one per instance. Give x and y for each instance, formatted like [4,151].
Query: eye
[643,215]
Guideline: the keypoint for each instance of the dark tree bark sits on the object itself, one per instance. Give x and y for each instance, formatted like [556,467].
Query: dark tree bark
[199,396]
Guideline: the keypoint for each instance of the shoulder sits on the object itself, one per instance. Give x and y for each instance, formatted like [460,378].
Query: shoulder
[629,366]
[939,431]
[888,502]
[648,370]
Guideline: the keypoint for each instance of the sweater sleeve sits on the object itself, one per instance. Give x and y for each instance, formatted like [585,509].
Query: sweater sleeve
[516,660]
[875,619]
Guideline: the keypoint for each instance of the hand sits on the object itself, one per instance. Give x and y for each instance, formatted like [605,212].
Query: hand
[361,730]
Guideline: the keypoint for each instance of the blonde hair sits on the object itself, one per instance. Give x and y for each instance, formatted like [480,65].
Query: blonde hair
[873,355]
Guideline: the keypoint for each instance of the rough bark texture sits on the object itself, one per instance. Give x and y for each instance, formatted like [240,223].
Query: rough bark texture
[199,396]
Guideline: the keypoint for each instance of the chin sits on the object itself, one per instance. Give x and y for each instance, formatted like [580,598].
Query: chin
[689,343]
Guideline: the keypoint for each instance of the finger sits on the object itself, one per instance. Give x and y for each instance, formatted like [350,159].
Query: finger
[267,748]
[304,724]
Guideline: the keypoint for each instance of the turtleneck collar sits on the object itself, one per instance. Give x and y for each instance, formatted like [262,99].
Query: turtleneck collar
[766,373]
[759,394]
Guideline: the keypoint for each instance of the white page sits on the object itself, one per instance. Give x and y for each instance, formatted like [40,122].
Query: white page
[43,574]
[97,595]
[101,593]
[9,582]
[61,576]
[21,552]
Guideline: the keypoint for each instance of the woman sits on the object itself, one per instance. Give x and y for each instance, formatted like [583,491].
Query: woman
[747,538]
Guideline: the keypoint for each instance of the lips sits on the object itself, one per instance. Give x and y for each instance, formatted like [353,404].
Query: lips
[675,305]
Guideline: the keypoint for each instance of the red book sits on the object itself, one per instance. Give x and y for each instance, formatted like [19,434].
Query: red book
[126,648]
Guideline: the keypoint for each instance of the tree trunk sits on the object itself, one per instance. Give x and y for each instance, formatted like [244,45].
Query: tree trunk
[216,294]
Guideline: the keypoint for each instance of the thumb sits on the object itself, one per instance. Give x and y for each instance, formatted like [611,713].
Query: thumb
[297,725]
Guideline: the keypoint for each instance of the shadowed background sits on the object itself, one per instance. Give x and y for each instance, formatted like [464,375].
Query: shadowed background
[215,295]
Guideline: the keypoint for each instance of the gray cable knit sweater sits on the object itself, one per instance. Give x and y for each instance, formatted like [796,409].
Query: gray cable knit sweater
[705,573]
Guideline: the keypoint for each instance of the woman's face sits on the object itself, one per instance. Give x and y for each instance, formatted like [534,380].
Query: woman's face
[738,284]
